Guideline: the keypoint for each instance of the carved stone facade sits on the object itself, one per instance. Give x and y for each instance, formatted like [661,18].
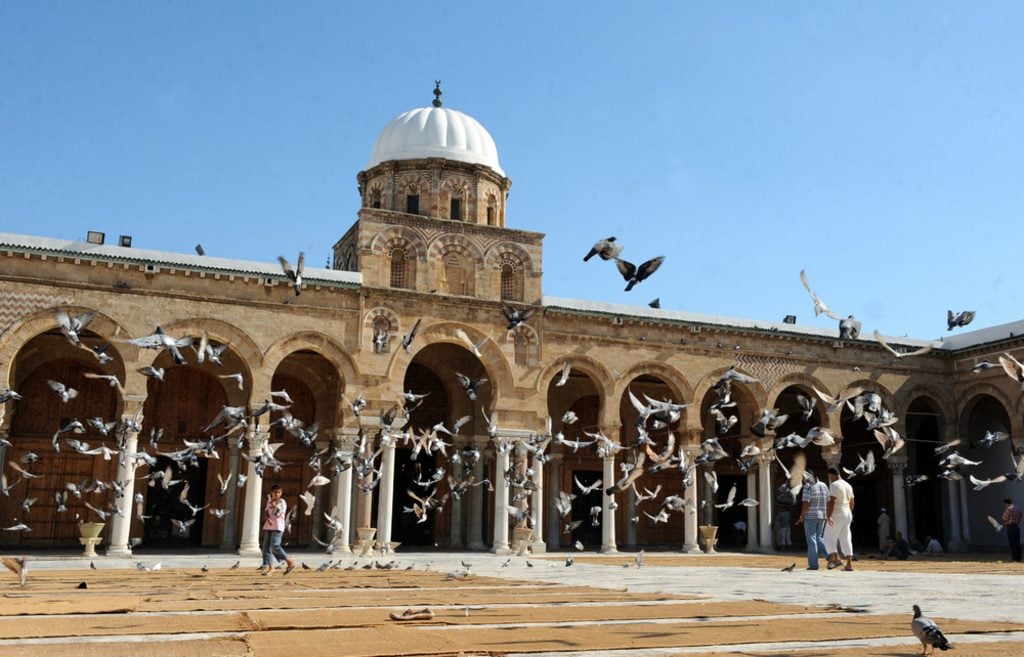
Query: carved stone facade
[395,269]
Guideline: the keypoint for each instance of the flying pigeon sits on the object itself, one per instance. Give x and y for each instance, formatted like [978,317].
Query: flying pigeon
[633,274]
[605,249]
[294,274]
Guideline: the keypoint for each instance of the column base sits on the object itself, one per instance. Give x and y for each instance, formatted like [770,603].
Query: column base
[539,547]
[956,545]
[119,551]
[502,551]
[691,548]
[250,551]
[609,549]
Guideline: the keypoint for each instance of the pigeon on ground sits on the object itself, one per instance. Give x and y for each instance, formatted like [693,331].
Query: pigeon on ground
[928,632]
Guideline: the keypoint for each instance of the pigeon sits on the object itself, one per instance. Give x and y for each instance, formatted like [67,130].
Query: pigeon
[1013,368]
[605,249]
[819,305]
[470,385]
[152,372]
[72,327]
[849,328]
[655,303]
[65,393]
[961,319]
[410,336]
[160,340]
[563,378]
[789,568]
[7,394]
[996,525]
[18,566]
[928,632]
[473,346]
[898,354]
[515,317]
[294,274]
[633,274]
[109,378]
[980,484]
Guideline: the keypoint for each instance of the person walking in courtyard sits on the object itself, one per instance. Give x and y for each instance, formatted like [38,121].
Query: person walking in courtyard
[812,516]
[884,523]
[273,529]
[1011,520]
[838,521]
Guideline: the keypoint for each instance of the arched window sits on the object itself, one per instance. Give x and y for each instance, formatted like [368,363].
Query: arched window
[399,269]
[456,209]
[381,335]
[511,283]
[455,275]
[522,344]
[492,210]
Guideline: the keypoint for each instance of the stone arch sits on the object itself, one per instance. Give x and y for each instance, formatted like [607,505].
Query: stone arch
[672,377]
[404,237]
[314,341]
[491,356]
[805,382]
[589,365]
[508,252]
[869,385]
[946,406]
[223,332]
[27,328]
[448,242]
[969,398]
[413,184]
[756,390]
[383,318]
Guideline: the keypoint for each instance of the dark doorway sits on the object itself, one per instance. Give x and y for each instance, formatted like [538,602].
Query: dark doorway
[589,530]
[164,505]
[729,536]
[406,526]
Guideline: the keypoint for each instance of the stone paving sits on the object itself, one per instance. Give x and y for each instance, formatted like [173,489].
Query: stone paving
[644,610]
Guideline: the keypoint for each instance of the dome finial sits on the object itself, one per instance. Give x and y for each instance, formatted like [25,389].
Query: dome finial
[437,93]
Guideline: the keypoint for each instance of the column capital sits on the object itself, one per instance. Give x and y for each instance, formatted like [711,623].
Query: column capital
[897,465]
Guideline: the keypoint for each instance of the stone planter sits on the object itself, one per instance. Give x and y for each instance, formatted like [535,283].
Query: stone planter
[521,537]
[91,535]
[709,536]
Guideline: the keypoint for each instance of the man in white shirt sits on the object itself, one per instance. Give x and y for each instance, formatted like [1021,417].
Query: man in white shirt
[838,520]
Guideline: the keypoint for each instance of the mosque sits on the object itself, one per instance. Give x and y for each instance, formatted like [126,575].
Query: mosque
[416,303]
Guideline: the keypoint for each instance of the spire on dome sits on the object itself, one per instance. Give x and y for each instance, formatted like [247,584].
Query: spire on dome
[437,93]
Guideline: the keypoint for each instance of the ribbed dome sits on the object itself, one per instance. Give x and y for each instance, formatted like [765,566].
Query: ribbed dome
[435,132]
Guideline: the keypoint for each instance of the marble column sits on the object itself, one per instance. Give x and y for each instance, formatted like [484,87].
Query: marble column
[364,498]
[538,546]
[386,493]
[766,500]
[607,512]
[553,521]
[753,535]
[227,536]
[501,462]
[631,512]
[475,533]
[690,542]
[897,466]
[341,495]
[955,543]
[121,525]
[965,515]
[249,545]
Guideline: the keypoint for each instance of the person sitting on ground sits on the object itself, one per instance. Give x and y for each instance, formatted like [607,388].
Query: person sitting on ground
[932,546]
[897,547]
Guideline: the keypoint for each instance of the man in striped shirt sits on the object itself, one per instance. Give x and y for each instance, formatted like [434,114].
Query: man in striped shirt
[812,515]
[1011,519]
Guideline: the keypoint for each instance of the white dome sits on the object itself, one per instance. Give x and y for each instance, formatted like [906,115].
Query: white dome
[435,132]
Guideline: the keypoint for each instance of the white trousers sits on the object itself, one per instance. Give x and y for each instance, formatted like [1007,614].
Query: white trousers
[839,532]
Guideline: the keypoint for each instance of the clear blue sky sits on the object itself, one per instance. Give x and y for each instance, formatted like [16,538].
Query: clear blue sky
[879,145]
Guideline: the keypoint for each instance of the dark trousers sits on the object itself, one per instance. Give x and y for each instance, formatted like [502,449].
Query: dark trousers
[1013,534]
